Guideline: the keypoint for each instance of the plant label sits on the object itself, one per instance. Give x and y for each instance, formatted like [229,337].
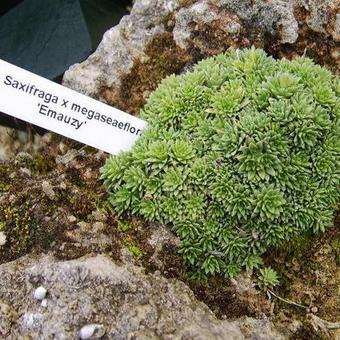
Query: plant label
[36,100]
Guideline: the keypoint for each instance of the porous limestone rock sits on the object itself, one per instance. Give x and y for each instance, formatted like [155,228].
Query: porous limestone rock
[161,37]
[123,300]
[119,47]
[7,317]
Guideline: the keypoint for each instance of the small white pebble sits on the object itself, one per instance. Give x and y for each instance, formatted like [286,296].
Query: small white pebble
[314,309]
[44,303]
[87,331]
[40,293]
[91,330]
[3,238]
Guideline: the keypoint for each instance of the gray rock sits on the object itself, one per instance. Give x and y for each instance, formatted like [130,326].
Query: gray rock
[123,301]
[267,16]
[120,46]
[7,317]
[285,28]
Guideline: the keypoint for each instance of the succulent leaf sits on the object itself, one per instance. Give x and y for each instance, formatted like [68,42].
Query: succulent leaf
[242,153]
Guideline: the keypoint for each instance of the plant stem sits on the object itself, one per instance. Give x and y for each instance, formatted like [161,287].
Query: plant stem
[287,301]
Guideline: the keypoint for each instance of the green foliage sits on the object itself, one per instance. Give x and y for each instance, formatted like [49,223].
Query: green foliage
[134,250]
[335,246]
[241,154]
[124,226]
[267,278]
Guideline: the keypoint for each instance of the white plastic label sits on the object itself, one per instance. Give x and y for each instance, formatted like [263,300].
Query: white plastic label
[41,102]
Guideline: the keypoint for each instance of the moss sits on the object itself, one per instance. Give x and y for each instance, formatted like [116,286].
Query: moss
[163,58]
[4,187]
[308,276]
[336,249]
[211,38]
[83,204]
[34,223]
[298,246]
[306,331]
[124,226]
[43,163]
[316,45]
[134,250]
[185,3]
[22,227]
[5,181]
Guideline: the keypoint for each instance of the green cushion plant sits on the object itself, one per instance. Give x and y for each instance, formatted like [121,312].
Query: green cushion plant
[241,154]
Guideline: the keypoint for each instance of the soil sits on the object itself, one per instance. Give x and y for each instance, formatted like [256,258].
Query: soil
[51,200]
